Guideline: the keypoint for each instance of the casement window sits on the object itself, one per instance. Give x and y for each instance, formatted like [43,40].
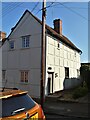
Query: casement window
[75,54]
[59,45]
[11,45]
[78,72]
[24,76]
[3,74]
[25,41]
[66,72]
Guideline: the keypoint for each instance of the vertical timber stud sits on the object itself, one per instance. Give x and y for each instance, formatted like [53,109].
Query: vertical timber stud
[42,90]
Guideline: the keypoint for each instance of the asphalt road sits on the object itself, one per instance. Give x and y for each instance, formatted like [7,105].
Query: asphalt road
[48,116]
[55,117]
[61,109]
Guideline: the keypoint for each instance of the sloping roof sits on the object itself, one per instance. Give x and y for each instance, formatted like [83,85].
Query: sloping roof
[50,31]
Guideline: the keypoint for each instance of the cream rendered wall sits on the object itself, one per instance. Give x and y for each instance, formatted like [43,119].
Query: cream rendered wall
[58,59]
[24,59]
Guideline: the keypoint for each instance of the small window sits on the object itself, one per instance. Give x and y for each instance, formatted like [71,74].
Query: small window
[78,72]
[3,74]
[75,54]
[24,76]
[11,45]
[25,41]
[58,46]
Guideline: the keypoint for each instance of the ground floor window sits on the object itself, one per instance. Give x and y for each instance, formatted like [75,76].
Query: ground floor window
[24,76]
[78,72]
[3,74]
[66,72]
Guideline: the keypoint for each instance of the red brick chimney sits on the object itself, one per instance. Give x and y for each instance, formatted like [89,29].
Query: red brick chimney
[58,26]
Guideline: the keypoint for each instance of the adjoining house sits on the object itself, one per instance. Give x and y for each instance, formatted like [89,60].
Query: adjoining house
[85,72]
[2,37]
[22,57]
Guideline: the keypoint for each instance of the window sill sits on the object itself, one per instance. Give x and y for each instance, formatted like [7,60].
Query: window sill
[25,48]
[3,80]
[11,49]
[24,83]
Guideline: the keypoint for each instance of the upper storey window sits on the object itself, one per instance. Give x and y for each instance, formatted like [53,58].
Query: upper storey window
[12,45]
[25,41]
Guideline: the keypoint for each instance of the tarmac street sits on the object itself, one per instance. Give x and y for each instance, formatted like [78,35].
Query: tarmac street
[59,109]
[61,117]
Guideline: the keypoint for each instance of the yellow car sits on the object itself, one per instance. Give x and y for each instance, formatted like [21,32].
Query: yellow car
[17,104]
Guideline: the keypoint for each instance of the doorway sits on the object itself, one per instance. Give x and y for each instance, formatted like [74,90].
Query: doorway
[50,83]
[66,72]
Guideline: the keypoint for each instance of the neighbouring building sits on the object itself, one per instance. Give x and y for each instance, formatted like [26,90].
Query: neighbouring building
[85,71]
[2,37]
[22,57]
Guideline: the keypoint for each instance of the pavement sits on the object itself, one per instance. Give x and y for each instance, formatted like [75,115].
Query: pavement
[68,108]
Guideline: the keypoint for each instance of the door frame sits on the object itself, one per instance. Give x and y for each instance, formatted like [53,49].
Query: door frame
[52,78]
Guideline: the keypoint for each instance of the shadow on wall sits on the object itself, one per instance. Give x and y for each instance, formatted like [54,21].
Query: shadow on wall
[71,83]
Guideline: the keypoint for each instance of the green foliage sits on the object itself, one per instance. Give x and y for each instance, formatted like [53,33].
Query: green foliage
[80,91]
[85,73]
[85,68]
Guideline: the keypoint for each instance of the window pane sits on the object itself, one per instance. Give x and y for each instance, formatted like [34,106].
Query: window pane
[11,43]
[78,72]
[60,44]
[3,74]
[25,41]
[22,76]
[14,103]
[26,76]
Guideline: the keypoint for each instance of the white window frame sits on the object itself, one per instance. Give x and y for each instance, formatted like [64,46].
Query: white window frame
[26,41]
[24,75]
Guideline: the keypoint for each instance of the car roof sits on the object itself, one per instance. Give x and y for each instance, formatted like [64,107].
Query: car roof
[10,92]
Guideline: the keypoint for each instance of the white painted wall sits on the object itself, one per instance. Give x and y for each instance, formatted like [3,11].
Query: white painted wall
[24,59]
[60,58]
